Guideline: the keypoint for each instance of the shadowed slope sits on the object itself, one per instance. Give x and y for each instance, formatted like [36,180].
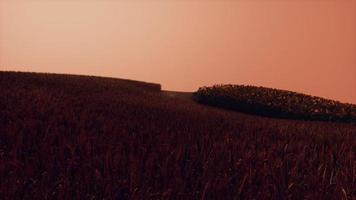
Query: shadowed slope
[93,138]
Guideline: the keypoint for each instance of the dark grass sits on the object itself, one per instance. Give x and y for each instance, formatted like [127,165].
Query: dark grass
[76,137]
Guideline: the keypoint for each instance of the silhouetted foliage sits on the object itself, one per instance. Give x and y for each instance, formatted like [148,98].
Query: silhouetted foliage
[76,137]
[276,103]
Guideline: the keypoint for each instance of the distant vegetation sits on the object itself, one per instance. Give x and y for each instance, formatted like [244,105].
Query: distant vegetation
[276,103]
[78,137]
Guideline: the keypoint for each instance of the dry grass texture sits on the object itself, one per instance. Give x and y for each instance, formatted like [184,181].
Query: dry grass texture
[74,137]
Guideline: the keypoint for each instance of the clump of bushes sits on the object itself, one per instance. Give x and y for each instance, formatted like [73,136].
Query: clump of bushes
[276,103]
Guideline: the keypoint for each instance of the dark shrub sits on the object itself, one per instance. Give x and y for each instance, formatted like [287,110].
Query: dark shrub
[276,103]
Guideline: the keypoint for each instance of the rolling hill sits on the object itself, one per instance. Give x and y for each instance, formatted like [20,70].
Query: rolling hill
[277,103]
[85,137]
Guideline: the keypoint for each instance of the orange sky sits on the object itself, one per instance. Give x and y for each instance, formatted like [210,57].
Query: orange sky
[302,45]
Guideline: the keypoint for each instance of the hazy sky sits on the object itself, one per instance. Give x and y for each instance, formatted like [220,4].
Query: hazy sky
[303,45]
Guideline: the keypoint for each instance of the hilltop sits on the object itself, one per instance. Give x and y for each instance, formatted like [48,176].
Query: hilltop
[86,137]
[272,102]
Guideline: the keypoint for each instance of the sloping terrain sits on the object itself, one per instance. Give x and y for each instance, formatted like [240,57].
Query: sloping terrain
[272,102]
[77,137]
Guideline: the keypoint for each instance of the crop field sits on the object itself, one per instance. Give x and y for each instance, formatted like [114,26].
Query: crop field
[81,137]
[276,103]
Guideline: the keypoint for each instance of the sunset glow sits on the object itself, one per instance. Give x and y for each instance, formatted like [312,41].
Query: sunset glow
[307,46]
